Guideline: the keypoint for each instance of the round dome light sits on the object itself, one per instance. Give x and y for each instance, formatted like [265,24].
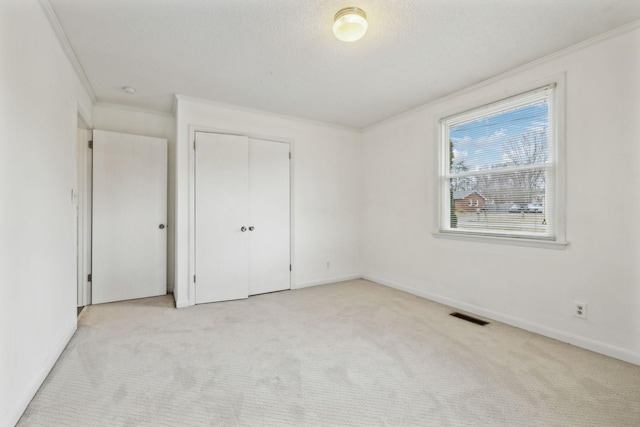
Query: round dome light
[350,24]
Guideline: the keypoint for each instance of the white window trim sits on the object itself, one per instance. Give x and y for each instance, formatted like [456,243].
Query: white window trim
[513,241]
[559,152]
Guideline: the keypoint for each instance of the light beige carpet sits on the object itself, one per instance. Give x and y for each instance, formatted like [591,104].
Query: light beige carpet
[346,354]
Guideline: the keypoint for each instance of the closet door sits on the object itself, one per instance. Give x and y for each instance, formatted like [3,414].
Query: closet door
[221,217]
[269,212]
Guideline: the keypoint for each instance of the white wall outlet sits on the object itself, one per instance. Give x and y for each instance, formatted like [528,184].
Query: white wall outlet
[580,309]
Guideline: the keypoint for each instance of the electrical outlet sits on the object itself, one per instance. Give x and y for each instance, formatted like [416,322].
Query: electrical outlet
[580,309]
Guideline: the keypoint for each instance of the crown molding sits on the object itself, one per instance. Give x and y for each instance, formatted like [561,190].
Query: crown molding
[66,47]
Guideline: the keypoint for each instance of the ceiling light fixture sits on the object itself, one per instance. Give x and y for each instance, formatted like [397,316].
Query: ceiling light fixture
[129,90]
[350,24]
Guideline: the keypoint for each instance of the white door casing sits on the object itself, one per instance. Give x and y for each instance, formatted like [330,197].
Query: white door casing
[241,182]
[79,199]
[129,245]
[83,201]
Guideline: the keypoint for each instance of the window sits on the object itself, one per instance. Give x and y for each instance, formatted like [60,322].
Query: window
[506,152]
[470,202]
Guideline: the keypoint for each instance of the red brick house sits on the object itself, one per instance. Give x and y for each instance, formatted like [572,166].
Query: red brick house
[468,201]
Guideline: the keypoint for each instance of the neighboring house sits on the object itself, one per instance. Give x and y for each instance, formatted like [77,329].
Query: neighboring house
[468,201]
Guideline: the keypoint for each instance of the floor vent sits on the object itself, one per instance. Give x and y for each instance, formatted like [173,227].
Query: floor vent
[469,319]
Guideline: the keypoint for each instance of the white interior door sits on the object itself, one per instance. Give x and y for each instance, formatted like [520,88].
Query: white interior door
[129,217]
[221,224]
[269,222]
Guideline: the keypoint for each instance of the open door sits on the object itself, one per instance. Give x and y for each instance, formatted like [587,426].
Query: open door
[129,244]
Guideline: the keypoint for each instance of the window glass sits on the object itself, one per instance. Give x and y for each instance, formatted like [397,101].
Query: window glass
[503,151]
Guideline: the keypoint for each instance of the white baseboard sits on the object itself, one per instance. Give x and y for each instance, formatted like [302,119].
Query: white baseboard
[13,416]
[578,341]
[326,281]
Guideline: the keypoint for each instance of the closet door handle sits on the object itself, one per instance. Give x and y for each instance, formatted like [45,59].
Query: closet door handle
[252,228]
[243,228]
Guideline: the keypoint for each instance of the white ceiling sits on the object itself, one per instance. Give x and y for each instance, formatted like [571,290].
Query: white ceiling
[281,56]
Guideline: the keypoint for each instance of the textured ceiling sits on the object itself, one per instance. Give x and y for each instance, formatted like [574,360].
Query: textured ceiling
[281,56]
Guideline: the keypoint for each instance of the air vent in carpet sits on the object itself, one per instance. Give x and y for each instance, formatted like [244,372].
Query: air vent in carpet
[469,319]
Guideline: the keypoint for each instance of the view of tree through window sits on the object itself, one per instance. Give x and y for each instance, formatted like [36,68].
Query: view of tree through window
[500,176]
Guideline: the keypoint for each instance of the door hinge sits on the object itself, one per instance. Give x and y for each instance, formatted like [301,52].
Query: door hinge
[89,278]
[90,144]
[194,144]
[194,278]
[289,267]
[289,155]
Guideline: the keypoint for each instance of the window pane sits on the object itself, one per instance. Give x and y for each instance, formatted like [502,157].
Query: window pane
[499,175]
[508,201]
[512,138]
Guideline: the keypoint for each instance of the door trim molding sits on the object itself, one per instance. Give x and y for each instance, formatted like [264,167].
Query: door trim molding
[193,129]
[83,201]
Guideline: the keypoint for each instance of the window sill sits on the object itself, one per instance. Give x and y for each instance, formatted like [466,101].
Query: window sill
[512,241]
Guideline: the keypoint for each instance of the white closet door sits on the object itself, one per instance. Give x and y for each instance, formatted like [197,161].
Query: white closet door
[129,242]
[222,208]
[269,195]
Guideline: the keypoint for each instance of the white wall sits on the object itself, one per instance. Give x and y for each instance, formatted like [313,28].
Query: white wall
[528,287]
[326,180]
[38,117]
[133,121]
[533,288]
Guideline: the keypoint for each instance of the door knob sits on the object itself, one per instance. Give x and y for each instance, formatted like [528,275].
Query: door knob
[252,228]
[161,226]
[243,228]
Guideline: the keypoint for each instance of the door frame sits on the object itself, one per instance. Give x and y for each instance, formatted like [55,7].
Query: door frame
[193,129]
[84,167]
